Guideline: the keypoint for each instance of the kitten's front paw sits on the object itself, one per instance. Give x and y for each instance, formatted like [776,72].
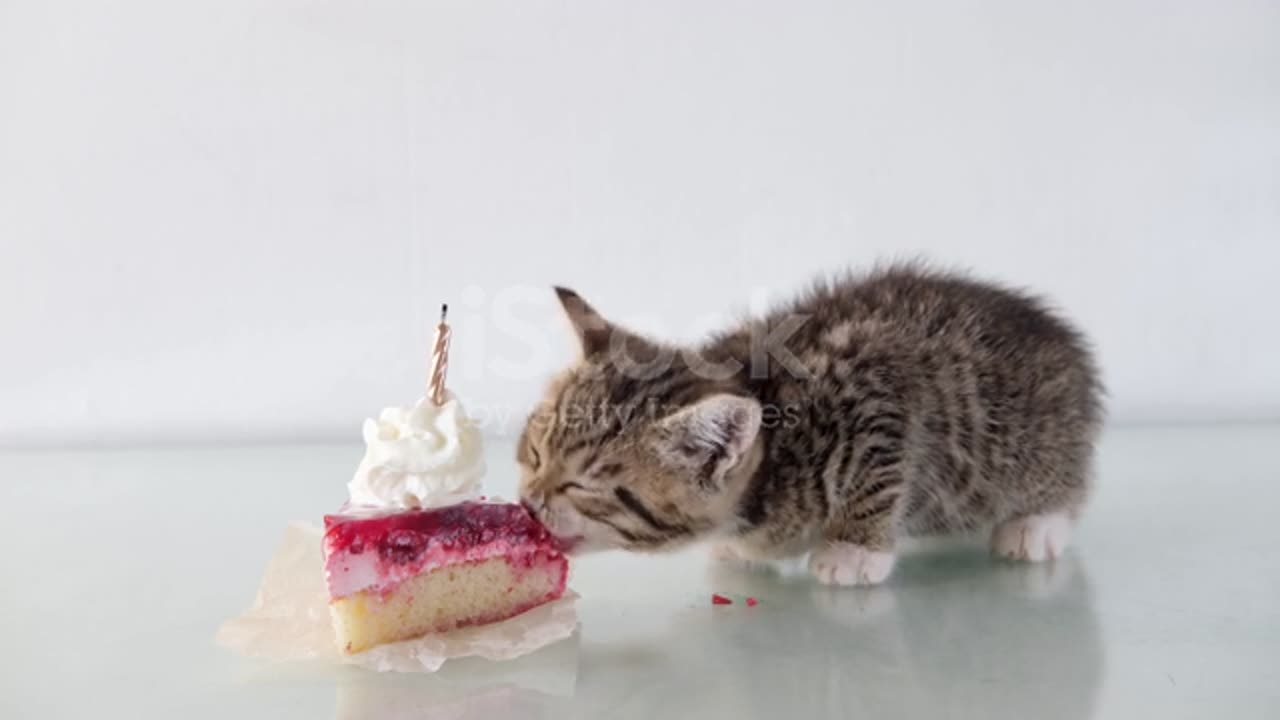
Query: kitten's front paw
[850,564]
[1033,538]
[734,555]
[727,552]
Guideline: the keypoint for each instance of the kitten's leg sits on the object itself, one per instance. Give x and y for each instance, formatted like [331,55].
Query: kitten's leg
[727,552]
[858,540]
[845,563]
[1041,530]
[734,553]
[1033,538]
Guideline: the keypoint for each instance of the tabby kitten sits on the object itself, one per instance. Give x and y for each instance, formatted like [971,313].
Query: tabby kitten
[905,402]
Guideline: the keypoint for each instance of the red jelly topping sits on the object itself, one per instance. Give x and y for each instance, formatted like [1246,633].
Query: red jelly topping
[718,599]
[402,537]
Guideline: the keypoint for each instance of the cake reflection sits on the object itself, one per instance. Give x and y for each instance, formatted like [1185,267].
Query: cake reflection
[462,689]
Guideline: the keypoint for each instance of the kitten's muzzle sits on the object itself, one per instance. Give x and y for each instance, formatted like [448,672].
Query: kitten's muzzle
[535,507]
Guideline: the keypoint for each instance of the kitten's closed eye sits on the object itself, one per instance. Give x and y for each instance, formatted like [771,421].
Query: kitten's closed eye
[565,487]
[607,470]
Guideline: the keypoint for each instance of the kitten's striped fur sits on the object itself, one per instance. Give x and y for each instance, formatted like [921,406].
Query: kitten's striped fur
[906,402]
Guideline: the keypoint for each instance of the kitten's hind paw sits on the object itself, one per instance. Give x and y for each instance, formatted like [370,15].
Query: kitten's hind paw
[849,564]
[1033,538]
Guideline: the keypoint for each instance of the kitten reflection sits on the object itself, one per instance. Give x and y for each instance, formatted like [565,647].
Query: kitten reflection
[952,634]
[1020,641]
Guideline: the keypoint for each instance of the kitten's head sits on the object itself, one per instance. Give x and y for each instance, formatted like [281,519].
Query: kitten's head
[631,448]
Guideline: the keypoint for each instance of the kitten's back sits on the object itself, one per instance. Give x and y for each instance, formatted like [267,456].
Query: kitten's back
[1003,394]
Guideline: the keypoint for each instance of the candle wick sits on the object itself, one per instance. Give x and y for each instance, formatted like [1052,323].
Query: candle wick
[444,312]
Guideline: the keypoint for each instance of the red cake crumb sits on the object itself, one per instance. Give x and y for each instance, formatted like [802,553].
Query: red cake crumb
[751,602]
[718,599]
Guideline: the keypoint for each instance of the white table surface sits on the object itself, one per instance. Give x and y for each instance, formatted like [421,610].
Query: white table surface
[120,565]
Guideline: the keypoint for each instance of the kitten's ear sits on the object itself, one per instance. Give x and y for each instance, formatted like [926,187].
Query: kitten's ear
[711,436]
[593,331]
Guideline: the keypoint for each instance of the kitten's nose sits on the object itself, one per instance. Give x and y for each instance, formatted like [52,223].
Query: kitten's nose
[531,504]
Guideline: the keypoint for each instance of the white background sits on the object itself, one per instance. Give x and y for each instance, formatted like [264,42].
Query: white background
[234,219]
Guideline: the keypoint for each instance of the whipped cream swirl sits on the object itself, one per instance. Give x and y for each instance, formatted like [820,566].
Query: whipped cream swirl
[420,457]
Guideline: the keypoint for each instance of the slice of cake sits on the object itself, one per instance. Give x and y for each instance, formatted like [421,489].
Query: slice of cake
[401,574]
[413,552]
